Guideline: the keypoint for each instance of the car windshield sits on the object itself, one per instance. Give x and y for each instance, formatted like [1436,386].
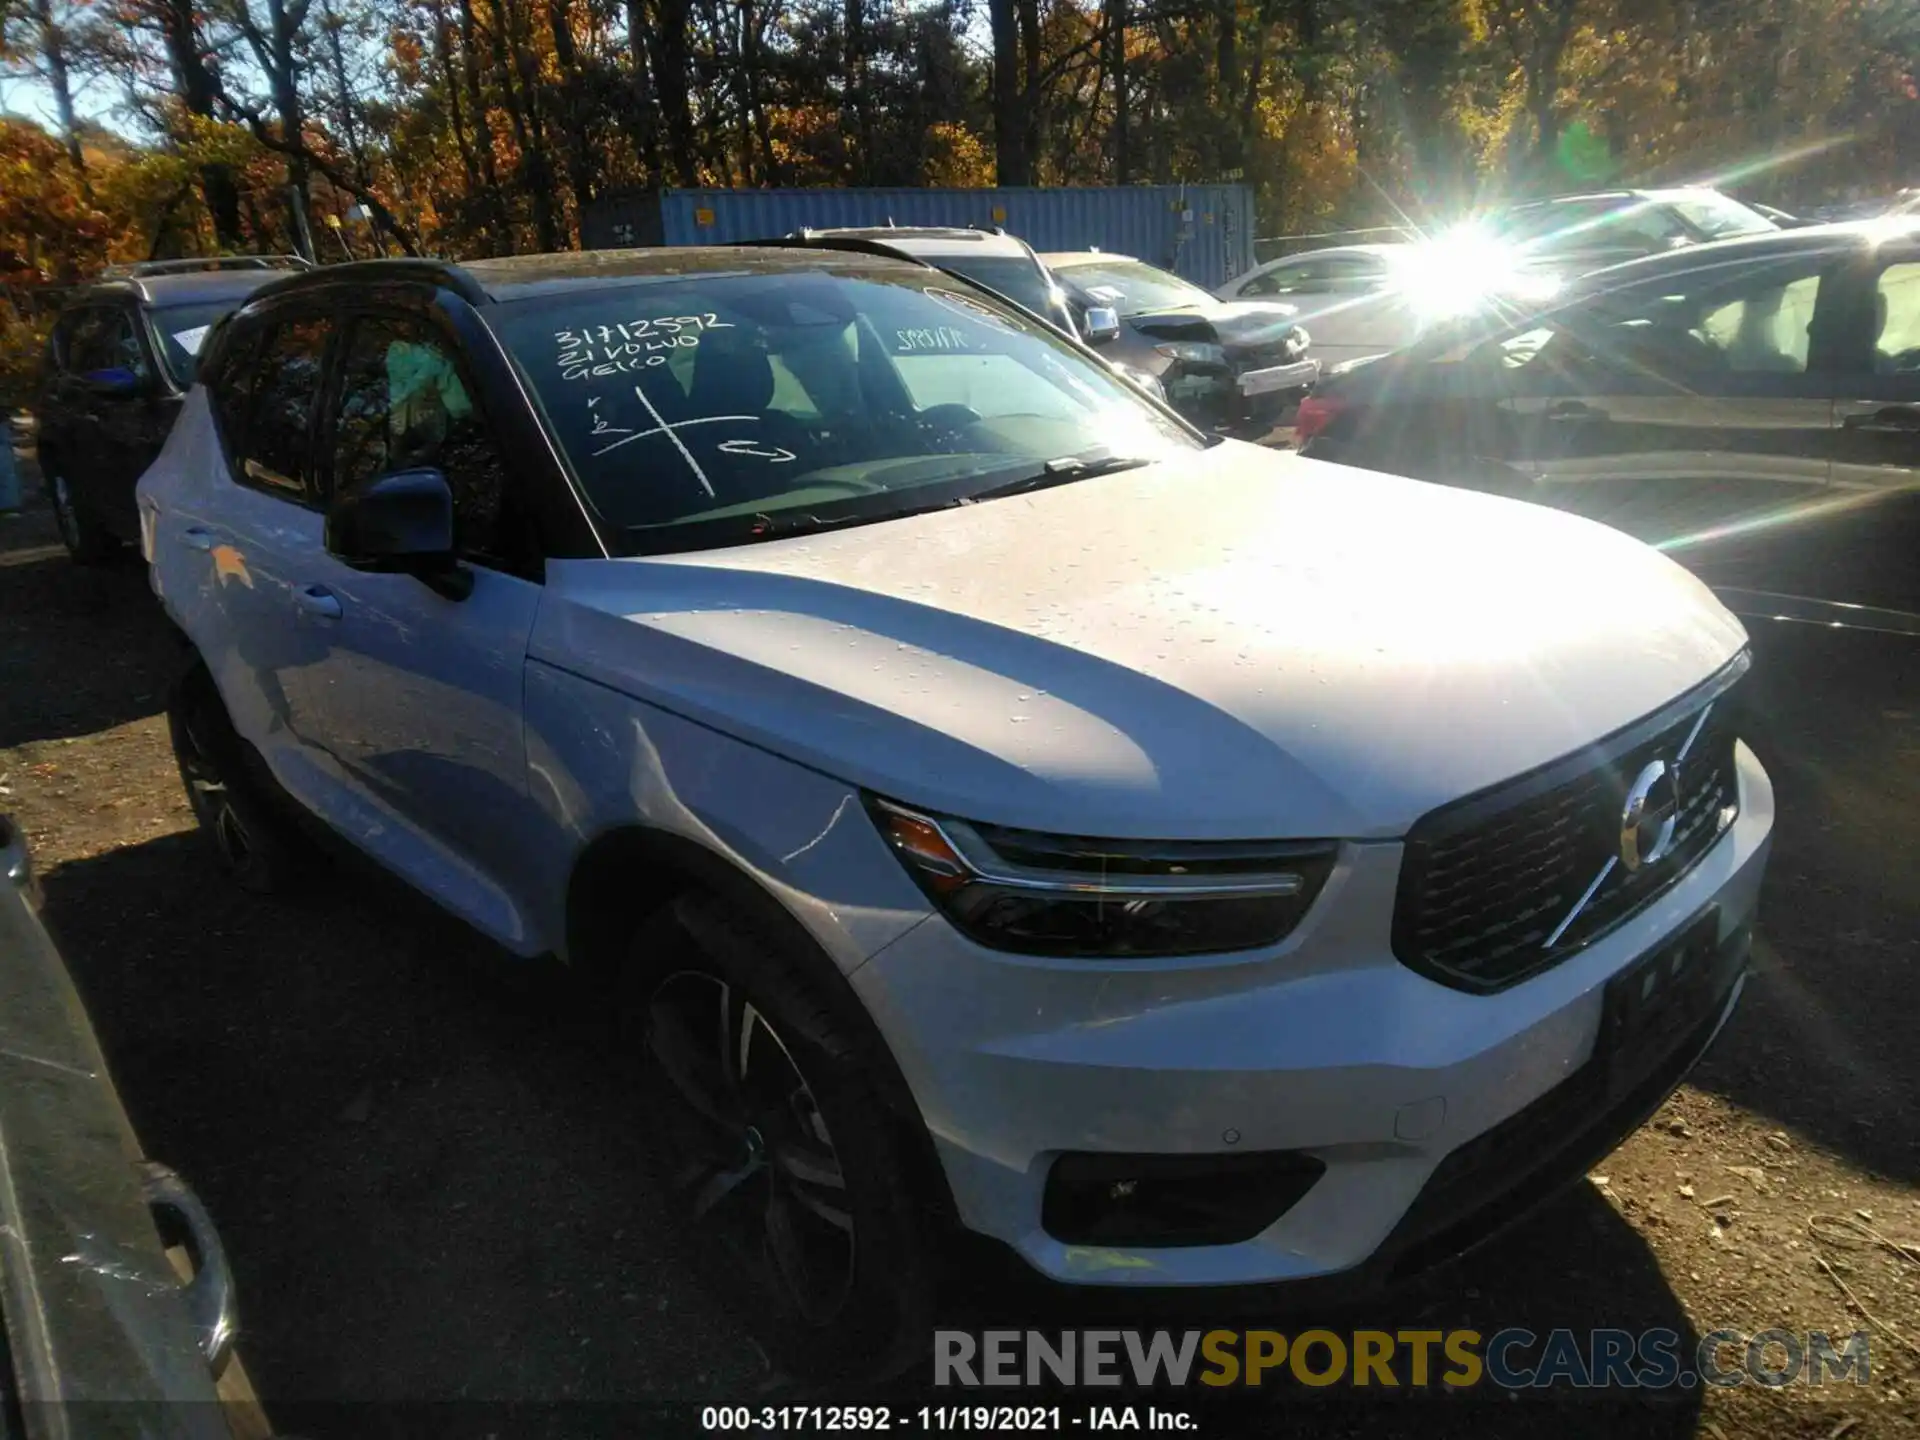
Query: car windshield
[182,329]
[1020,280]
[1718,217]
[1545,224]
[722,409]
[1132,288]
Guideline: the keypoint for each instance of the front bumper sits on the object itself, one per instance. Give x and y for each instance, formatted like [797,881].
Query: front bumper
[1425,1104]
[1276,378]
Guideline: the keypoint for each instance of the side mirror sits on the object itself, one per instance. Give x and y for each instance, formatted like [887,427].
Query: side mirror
[1101,326]
[399,523]
[118,382]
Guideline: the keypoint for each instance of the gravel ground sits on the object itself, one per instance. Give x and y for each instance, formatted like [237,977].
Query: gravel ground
[429,1179]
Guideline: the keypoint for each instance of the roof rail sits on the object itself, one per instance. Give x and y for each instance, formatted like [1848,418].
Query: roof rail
[446,274]
[809,239]
[141,270]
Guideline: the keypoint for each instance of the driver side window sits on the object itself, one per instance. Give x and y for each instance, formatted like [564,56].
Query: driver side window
[104,341]
[403,404]
[1679,329]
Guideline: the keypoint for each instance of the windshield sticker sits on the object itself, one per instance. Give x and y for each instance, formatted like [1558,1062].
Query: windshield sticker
[623,347]
[940,337]
[1112,294]
[189,340]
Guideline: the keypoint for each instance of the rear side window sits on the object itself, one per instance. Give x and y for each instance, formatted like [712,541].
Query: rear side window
[229,378]
[273,449]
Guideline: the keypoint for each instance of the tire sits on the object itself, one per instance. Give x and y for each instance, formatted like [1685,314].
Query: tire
[251,844]
[87,540]
[774,1142]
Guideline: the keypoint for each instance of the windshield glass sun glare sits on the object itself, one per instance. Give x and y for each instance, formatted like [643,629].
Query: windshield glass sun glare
[727,409]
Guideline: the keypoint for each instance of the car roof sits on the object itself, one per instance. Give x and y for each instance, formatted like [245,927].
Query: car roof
[1372,250]
[194,288]
[518,277]
[1838,238]
[1664,196]
[1058,259]
[927,239]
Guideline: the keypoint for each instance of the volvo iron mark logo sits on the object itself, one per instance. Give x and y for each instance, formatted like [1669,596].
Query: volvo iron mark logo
[1648,818]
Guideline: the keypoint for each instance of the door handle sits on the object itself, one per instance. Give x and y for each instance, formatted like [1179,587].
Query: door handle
[318,601]
[197,537]
[1888,420]
[1570,410]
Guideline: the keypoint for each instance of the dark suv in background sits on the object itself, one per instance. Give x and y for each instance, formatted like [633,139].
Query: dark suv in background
[118,364]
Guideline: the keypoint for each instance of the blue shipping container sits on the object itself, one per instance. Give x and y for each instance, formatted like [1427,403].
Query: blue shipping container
[1203,232]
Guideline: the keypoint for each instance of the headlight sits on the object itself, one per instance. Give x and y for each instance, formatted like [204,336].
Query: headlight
[1064,895]
[1149,383]
[1297,341]
[1193,352]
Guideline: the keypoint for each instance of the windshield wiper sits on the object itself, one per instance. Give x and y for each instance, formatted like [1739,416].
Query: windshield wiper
[1062,470]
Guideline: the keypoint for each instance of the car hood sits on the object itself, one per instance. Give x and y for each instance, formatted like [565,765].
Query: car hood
[1235,324]
[1237,644]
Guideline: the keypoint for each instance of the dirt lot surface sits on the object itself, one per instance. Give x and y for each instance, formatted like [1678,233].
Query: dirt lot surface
[431,1188]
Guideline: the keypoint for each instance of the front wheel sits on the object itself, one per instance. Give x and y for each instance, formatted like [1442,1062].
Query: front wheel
[790,1173]
[87,540]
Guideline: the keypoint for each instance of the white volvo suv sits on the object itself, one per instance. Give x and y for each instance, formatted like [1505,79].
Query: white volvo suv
[993,804]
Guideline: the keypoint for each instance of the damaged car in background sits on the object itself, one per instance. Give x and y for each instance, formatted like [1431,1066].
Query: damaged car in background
[1231,365]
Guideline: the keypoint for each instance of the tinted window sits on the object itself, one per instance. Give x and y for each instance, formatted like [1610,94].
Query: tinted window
[1723,319]
[230,380]
[404,405]
[718,409]
[1767,328]
[104,343]
[1335,275]
[275,449]
[1896,348]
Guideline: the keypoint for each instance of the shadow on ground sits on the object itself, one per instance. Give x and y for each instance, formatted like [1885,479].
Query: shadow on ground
[1824,1043]
[432,1184]
[86,647]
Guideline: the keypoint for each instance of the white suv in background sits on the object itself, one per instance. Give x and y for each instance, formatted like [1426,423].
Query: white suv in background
[994,804]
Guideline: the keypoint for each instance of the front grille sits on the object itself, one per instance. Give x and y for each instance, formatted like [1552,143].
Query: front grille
[1486,882]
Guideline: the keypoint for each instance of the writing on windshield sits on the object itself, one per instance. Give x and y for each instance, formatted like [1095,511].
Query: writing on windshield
[745,402]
